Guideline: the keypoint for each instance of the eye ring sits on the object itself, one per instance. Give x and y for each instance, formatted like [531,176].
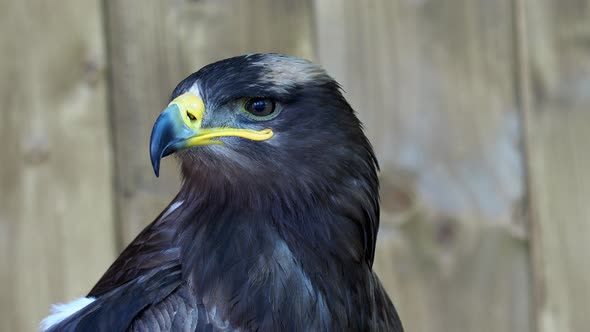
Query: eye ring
[260,108]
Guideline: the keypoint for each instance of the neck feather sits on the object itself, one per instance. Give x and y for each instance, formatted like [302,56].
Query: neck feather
[258,253]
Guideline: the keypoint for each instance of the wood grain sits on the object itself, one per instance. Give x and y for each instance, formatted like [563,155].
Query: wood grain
[153,46]
[433,82]
[557,122]
[56,230]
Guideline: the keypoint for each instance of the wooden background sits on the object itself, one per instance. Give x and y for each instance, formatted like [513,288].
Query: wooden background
[479,111]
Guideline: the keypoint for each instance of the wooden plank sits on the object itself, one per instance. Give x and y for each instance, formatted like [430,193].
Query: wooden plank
[56,230]
[433,82]
[153,45]
[556,94]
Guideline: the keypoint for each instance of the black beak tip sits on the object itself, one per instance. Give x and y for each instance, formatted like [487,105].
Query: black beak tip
[156,167]
[155,152]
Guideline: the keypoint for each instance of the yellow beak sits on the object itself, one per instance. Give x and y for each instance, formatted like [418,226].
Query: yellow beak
[179,127]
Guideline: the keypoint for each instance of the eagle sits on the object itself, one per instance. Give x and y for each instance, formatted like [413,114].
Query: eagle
[275,223]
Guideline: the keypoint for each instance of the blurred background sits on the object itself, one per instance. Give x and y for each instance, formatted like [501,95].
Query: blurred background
[478,110]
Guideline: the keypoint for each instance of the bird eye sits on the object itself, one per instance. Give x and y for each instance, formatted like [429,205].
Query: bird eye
[191,116]
[260,107]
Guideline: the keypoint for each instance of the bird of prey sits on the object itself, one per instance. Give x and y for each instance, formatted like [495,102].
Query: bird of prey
[275,223]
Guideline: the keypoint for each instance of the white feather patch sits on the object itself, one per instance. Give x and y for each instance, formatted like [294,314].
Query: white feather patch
[171,209]
[61,311]
[195,90]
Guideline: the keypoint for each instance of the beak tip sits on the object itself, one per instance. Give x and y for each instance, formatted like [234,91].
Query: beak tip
[156,165]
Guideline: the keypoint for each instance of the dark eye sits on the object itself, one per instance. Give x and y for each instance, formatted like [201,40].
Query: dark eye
[260,106]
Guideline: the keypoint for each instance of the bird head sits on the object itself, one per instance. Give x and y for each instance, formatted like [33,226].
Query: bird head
[268,120]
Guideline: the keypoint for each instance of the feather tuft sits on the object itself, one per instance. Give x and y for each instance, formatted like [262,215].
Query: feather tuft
[61,311]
